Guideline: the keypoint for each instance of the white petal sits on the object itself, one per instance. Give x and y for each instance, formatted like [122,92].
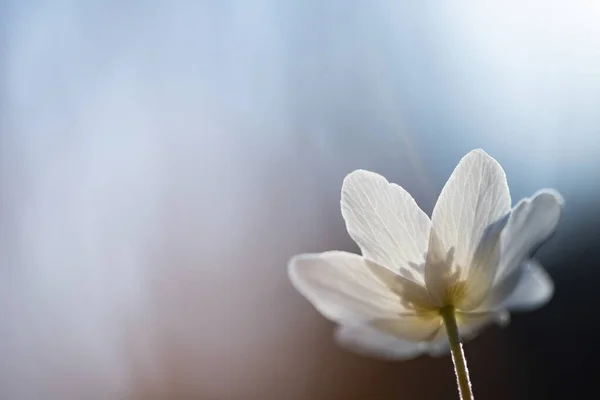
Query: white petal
[484,265]
[443,282]
[531,223]
[412,294]
[412,327]
[342,287]
[534,289]
[440,347]
[439,275]
[368,341]
[472,323]
[384,220]
[475,196]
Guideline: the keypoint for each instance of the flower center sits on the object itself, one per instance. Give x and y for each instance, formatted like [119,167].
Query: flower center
[455,292]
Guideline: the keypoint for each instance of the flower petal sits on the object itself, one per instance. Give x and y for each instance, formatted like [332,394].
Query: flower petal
[342,287]
[440,346]
[413,327]
[368,341]
[472,323]
[439,275]
[483,267]
[534,289]
[384,220]
[412,294]
[475,196]
[531,223]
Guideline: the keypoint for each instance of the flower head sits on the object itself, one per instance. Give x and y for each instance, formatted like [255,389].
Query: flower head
[473,255]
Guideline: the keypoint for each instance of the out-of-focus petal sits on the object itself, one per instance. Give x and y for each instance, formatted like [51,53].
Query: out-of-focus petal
[368,341]
[342,287]
[532,222]
[413,327]
[472,323]
[439,345]
[534,289]
[475,196]
[384,220]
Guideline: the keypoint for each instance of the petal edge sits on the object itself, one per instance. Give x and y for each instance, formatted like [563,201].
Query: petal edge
[475,196]
[341,286]
[384,220]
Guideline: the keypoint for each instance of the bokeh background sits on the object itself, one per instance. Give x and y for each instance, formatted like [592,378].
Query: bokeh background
[160,162]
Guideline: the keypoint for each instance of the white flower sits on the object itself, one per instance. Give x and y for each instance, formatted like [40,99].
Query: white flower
[473,254]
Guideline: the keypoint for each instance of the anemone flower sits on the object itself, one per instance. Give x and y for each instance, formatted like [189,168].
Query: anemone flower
[422,285]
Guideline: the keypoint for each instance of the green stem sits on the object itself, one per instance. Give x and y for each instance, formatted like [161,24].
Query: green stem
[458,356]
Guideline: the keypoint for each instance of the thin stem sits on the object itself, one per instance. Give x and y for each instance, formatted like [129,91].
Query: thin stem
[458,356]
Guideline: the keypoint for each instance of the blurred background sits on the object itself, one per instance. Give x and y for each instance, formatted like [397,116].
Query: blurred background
[161,161]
